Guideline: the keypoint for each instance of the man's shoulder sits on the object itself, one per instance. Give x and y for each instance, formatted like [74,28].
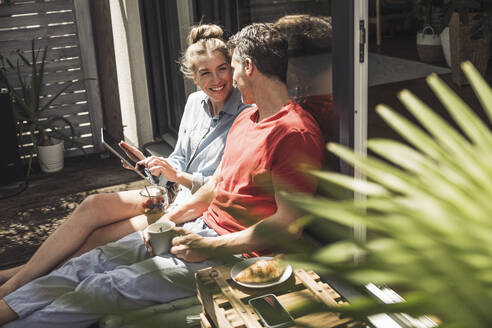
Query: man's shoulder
[246,112]
[249,109]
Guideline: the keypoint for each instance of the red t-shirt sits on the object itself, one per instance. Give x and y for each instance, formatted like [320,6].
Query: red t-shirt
[261,157]
[321,107]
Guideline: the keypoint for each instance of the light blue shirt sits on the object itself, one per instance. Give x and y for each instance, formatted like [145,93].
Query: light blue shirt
[202,138]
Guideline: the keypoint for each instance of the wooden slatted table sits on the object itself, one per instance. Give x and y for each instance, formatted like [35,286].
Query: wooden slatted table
[225,303]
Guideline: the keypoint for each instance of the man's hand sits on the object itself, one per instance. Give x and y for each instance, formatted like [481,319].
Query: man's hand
[158,166]
[191,247]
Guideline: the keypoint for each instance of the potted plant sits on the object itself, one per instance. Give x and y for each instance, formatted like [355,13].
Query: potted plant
[24,82]
[470,29]
[428,210]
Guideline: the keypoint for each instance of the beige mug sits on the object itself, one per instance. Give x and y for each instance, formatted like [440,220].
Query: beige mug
[161,234]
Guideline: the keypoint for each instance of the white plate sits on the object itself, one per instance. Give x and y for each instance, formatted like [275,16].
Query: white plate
[238,267]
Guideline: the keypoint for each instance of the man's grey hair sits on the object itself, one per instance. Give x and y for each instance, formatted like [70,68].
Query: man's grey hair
[265,46]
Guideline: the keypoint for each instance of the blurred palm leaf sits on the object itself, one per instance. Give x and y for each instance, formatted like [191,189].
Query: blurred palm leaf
[428,206]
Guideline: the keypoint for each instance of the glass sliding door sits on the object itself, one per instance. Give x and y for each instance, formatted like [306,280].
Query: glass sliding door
[168,91]
[250,11]
[343,81]
[163,46]
[334,58]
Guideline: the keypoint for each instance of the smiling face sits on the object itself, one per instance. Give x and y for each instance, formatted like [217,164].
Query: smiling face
[241,79]
[213,75]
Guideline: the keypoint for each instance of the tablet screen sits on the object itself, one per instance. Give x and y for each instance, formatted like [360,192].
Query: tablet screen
[111,143]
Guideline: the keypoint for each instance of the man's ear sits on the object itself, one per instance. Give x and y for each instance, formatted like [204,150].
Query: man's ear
[249,66]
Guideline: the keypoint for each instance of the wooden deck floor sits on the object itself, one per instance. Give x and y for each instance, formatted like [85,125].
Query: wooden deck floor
[29,217]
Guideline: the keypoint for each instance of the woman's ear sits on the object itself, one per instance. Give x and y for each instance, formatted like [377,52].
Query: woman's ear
[195,80]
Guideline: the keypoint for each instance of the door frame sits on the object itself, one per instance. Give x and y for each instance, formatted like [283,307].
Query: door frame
[343,77]
[360,96]
[350,71]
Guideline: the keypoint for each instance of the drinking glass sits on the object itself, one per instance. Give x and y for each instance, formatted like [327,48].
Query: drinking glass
[155,203]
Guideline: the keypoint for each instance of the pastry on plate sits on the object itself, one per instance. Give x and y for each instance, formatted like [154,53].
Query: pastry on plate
[261,271]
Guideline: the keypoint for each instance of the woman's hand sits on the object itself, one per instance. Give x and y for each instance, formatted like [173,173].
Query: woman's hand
[158,166]
[191,247]
[134,153]
[146,236]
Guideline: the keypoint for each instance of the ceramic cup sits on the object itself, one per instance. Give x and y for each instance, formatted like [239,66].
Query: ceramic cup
[161,234]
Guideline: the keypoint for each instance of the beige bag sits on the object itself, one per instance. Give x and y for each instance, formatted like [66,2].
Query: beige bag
[429,46]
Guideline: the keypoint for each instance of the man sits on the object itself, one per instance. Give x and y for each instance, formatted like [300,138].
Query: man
[265,147]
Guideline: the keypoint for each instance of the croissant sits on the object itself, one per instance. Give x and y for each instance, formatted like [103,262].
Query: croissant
[261,271]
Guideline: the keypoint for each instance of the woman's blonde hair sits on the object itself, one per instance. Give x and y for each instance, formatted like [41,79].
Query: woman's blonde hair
[202,39]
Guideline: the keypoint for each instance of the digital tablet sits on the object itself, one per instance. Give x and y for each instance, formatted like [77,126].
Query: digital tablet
[110,142]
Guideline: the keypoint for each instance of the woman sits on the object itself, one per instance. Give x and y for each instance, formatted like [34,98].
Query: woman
[207,117]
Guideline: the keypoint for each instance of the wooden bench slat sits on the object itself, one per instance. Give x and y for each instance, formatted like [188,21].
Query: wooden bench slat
[67,99]
[75,109]
[38,32]
[10,46]
[41,19]
[37,7]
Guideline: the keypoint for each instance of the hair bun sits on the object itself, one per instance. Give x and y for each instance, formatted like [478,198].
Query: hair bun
[203,32]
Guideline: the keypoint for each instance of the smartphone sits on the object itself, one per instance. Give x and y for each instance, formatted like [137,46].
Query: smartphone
[110,142]
[272,314]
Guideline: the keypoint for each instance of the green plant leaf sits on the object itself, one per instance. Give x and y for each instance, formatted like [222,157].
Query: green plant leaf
[427,210]
[364,187]
[474,128]
[442,132]
[416,137]
[480,87]
[338,252]
[334,210]
[410,132]
[378,171]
